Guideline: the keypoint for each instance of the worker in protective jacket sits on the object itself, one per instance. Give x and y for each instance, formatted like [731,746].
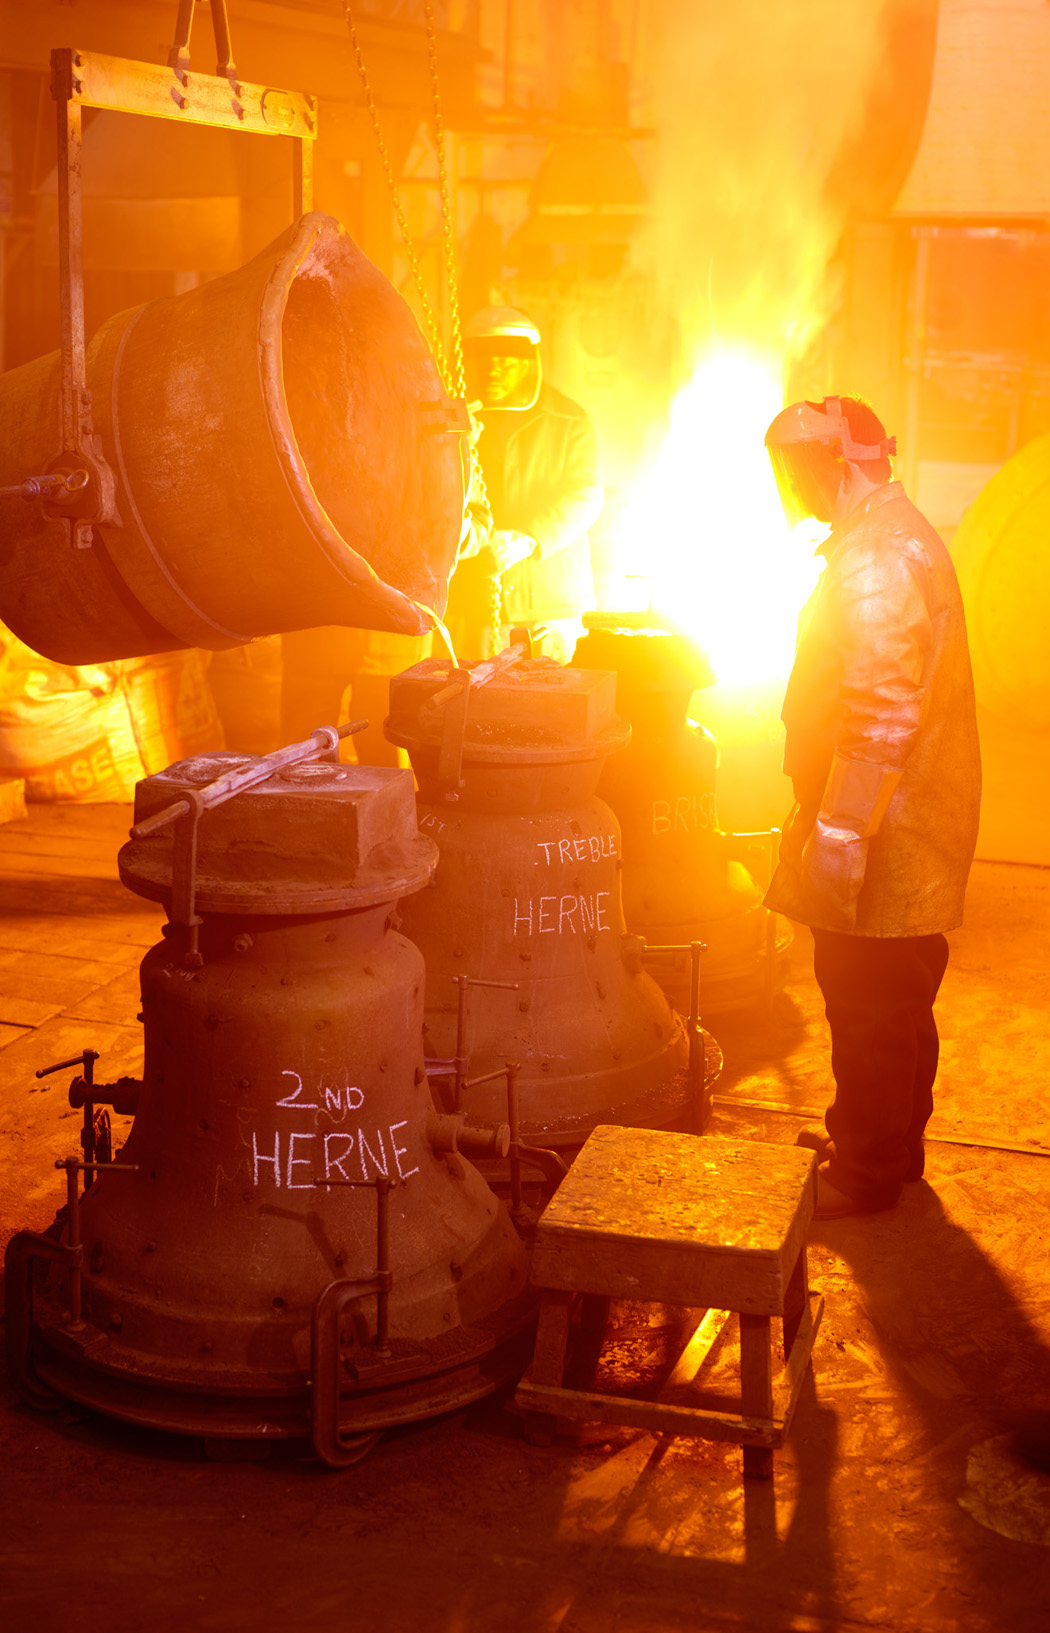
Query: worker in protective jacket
[539,458]
[883,755]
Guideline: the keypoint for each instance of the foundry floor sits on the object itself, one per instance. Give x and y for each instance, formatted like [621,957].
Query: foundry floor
[897,1502]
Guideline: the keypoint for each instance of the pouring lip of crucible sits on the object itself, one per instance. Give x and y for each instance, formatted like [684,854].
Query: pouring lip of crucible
[319,250]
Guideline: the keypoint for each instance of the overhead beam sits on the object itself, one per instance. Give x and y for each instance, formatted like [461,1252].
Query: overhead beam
[122,85]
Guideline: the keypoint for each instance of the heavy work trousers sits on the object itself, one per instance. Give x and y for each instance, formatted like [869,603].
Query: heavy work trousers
[878,996]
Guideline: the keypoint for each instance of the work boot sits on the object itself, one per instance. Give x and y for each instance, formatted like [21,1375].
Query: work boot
[916,1165]
[835,1204]
[815,1139]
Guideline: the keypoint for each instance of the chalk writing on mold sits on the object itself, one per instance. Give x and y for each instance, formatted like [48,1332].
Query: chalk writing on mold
[577,914]
[592,848]
[338,1100]
[293,1159]
[689,813]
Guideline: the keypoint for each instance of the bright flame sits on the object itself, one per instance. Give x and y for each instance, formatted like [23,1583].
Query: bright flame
[703,539]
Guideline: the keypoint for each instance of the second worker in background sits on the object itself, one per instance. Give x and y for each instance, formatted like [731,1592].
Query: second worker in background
[539,458]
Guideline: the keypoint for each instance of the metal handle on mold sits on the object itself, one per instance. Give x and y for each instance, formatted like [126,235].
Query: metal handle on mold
[186,813]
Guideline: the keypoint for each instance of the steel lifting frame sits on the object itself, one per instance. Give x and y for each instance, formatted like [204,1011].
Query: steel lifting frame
[79,485]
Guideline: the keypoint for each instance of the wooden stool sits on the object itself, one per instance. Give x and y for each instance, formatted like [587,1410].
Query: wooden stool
[687,1220]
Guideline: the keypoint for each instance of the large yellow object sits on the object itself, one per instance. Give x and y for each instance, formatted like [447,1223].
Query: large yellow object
[1002,556]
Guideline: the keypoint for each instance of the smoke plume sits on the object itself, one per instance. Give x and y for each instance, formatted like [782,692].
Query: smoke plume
[754,100]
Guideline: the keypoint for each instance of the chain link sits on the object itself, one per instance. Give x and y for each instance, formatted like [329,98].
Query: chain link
[495,614]
[430,322]
[447,224]
[452,371]
[457,371]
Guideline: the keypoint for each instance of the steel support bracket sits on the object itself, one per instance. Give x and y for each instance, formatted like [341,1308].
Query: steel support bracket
[453,731]
[122,85]
[183,909]
[700,1100]
[339,1451]
[88,79]
[95,1136]
[78,503]
[22,1252]
[24,1248]
[446,417]
[326,1361]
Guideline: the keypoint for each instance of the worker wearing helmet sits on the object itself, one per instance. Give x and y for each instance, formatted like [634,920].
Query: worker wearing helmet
[539,458]
[883,755]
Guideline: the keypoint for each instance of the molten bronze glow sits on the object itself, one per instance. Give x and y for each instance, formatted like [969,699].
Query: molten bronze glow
[703,539]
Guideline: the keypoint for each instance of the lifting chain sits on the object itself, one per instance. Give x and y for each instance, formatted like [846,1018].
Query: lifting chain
[459,382]
[452,371]
[459,379]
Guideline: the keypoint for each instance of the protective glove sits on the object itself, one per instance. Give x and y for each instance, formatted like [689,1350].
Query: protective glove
[835,854]
[476,530]
[832,871]
[505,548]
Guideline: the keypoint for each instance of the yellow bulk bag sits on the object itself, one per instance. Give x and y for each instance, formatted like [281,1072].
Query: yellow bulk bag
[89,733]
[1002,556]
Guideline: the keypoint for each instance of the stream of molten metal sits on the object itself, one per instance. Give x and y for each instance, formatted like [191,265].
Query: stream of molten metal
[703,539]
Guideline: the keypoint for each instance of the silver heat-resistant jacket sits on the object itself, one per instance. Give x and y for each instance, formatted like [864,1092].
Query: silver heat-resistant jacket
[881,743]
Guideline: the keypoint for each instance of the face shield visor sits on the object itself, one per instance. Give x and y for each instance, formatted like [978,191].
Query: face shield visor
[503,372]
[807,477]
[809,446]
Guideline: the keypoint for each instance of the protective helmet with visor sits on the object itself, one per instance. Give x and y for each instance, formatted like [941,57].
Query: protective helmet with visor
[502,353]
[807,443]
